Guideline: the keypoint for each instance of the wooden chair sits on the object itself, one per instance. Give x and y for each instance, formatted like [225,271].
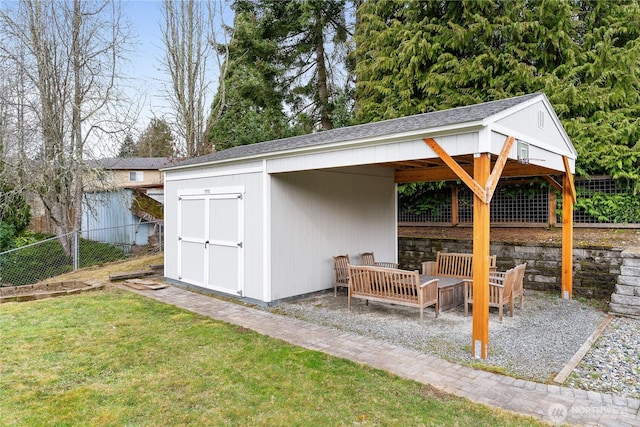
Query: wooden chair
[367,258]
[340,272]
[518,285]
[500,291]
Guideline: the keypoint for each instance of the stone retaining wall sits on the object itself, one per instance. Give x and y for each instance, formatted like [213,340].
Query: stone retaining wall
[626,299]
[595,269]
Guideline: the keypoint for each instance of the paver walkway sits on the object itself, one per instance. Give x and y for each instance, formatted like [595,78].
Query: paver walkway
[550,403]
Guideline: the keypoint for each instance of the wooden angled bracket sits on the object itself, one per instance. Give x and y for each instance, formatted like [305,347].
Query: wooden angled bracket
[567,170]
[484,193]
[477,189]
[492,182]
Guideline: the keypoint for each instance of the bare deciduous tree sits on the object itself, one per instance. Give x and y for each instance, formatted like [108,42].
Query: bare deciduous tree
[66,56]
[184,34]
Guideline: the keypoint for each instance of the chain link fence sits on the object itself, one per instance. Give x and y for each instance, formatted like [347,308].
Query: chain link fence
[62,254]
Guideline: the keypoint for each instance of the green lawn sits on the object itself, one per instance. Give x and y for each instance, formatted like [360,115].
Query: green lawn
[116,358]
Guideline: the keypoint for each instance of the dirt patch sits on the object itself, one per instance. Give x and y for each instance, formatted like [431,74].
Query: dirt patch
[45,290]
[582,237]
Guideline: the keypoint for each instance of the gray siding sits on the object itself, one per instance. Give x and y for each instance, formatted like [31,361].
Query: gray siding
[319,214]
[411,149]
[253,226]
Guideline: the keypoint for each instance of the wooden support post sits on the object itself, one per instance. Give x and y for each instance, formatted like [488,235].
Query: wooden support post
[567,238]
[481,228]
[568,199]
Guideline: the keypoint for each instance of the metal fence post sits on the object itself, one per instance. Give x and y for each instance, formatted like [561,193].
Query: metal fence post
[76,250]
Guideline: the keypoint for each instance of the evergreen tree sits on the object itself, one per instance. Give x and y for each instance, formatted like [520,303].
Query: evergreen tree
[128,146]
[312,37]
[419,56]
[15,212]
[283,73]
[156,141]
[424,56]
[248,106]
[599,99]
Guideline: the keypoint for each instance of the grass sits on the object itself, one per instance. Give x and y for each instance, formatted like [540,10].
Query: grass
[32,264]
[116,358]
[102,272]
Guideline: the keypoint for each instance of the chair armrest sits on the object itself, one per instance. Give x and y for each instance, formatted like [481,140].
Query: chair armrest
[429,267]
[429,290]
[430,283]
[498,284]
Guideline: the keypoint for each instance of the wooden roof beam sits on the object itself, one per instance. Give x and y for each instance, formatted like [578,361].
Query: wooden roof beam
[444,173]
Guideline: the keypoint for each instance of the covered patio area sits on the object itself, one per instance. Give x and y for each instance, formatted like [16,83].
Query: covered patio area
[263,221]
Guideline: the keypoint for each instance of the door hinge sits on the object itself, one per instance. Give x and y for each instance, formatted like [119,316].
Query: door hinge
[240,293]
[239,244]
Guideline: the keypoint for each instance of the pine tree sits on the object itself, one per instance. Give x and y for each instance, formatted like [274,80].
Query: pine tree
[312,37]
[248,107]
[156,141]
[128,146]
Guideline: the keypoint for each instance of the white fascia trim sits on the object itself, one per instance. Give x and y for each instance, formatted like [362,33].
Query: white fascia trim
[212,174]
[559,126]
[266,234]
[404,136]
[531,141]
[509,111]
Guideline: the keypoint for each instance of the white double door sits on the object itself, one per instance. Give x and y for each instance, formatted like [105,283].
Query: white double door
[210,240]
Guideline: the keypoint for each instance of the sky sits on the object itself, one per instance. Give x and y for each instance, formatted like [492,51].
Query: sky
[145,66]
[145,69]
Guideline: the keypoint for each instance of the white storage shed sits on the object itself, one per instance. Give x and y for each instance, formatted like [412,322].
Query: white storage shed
[263,221]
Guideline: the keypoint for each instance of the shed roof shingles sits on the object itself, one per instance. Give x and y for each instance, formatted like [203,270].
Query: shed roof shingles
[430,120]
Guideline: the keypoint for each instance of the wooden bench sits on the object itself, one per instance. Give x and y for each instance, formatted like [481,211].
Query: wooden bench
[390,285]
[451,264]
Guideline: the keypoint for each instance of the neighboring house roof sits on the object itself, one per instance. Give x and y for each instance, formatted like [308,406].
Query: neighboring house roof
[130,163]
[451,117]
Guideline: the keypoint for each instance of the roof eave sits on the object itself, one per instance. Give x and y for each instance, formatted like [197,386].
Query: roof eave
[360,142]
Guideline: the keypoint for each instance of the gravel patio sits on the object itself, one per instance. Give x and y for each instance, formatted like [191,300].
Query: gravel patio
[535,344]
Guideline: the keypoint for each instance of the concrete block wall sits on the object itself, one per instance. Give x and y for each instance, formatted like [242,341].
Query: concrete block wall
[626,298]
[595,269]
